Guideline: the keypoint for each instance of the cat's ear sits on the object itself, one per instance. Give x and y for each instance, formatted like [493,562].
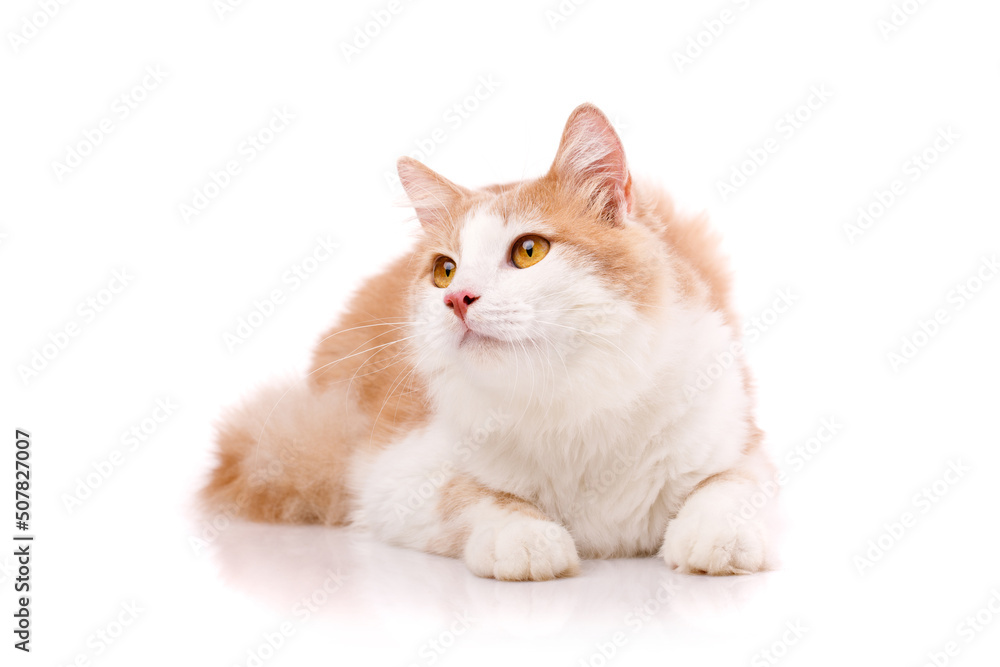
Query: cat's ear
[431,194]
[591,159]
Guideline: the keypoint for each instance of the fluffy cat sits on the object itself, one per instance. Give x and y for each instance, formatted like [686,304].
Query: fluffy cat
[548,375]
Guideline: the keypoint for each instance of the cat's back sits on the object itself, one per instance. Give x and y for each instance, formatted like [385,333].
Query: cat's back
[366,351]
[701,268]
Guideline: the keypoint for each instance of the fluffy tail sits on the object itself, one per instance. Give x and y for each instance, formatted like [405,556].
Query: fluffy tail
[284,456]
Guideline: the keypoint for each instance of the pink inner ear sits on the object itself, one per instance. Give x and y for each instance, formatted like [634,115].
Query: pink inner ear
[591,157]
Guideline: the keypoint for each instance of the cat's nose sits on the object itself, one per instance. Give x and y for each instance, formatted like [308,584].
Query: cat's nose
[460,302]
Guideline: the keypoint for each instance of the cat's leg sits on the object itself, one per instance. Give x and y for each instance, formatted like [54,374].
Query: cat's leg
[719,531]
[502,536]
[410,497]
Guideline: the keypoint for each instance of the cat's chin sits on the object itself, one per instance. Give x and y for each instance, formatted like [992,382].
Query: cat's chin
[474,340]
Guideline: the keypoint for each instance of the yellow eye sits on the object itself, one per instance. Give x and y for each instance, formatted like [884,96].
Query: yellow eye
[528,251]
[444,271]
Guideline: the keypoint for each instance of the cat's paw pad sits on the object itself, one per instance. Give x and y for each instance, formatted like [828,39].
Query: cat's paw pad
[700,544]
[525,549]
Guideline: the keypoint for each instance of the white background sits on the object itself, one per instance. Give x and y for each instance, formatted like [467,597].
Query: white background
[686,125]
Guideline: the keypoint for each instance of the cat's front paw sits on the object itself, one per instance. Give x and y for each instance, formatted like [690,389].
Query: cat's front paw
[522,549]
[706,543]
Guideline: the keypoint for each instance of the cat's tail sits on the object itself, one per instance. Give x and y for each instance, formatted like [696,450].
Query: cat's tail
[283,456]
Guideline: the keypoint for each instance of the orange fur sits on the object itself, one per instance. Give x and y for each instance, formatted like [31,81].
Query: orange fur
[364,353]
[282,458]
[362,363]
[458,495]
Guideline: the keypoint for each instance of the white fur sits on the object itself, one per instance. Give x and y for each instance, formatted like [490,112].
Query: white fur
[508,545]
[705,538]
[592,426]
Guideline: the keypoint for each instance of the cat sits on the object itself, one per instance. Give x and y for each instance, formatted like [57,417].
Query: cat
[552,373]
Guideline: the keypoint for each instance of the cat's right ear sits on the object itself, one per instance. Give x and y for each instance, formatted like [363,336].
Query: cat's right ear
[591,160]
[431,194]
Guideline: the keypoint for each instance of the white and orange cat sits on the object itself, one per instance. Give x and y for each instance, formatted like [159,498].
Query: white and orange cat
[529,386]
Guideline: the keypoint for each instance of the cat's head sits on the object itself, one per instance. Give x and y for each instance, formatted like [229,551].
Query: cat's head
[536,282]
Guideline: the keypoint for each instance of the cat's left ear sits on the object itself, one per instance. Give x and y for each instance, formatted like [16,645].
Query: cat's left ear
[432,195]
[591,159]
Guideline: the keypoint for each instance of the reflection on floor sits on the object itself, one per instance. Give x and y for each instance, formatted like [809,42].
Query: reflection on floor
[345,574]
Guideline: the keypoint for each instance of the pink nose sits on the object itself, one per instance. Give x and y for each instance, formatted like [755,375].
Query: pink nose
[460,302]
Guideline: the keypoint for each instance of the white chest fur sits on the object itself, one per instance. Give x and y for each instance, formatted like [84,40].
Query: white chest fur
[611,455]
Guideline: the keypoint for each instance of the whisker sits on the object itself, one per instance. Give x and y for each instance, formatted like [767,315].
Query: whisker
[392,387]
[584,331]
[260,435]
[364,326]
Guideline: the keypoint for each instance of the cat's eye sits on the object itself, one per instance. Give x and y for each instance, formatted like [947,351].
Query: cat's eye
[528,251]
[444,271]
